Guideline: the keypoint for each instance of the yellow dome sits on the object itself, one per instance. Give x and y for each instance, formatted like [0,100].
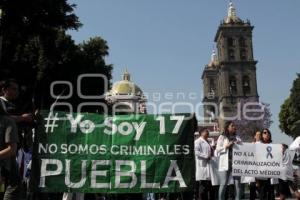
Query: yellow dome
[125,87]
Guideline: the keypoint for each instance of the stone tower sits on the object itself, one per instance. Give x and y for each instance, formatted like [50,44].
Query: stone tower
[230,77]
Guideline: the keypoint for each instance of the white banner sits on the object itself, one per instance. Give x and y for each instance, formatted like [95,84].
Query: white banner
[257,160]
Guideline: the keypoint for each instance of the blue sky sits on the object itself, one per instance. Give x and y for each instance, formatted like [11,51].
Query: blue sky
[165,44]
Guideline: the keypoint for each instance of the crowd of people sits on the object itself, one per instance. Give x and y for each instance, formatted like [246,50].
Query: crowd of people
[214,168]
[213,174]
[15,153]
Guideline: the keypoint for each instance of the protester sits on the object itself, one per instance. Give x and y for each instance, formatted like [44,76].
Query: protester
[10,92]
[266,187]
[24,157]
[225,143]
[204,153]
[8,148]
[253,183]
[295,146]
[257,137]
[75,196]
[288,180]
[215,168]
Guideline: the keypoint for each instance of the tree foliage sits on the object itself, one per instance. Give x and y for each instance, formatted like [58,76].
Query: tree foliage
[37,51]
[255,120]
[289,116]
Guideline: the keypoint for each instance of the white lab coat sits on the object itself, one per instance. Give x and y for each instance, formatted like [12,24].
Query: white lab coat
[215,179]
[295,146]
[203,153]
[287,163]
[223,152]
[69,196]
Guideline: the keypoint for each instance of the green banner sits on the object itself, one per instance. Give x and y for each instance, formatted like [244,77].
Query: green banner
[92,153]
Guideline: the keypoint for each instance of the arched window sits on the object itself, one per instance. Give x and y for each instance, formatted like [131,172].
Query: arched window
[242,42]
[121,108]
[212,85]
[232,85]
[212,88]
[212,113]
[246,85]
[243,54]
[230,42]
[231,55]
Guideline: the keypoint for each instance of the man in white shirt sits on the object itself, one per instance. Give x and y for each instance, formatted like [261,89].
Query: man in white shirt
[203,153]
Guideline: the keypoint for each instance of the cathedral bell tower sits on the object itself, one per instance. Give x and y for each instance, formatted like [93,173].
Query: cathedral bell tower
[230,77]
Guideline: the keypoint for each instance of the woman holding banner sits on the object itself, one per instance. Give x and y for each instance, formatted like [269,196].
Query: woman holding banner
[288,183]
[225,144]
[266,187]
[257,137]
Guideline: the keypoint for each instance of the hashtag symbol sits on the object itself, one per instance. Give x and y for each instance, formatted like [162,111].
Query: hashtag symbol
[51,122]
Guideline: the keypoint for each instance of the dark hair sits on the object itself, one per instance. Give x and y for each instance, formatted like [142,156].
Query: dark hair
[7,83]
[201,130]
[265,129]
[226,126]
[254,139]
[285,146]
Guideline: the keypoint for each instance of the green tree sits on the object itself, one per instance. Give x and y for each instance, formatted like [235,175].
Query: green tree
[87,58]
[253,121]
[37,51]
[289,116]
[33,21]
[30,31]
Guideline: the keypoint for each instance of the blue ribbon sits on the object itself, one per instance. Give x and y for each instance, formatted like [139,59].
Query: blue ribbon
[269,149]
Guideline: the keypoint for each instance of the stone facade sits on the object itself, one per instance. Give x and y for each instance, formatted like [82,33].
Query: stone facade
[231,74]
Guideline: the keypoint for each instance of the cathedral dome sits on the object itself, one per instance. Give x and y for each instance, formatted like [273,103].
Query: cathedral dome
[126,97]
[126,87]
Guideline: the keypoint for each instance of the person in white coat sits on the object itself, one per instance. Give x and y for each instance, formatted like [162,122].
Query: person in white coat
[225,143]
[287,182]
[295,146]
[203,154]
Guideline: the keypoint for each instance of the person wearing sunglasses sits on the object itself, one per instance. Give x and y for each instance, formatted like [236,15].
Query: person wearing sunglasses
[266,185]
